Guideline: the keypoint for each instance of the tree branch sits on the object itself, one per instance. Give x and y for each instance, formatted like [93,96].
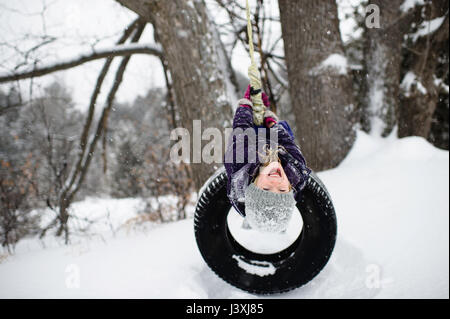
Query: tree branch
[84,135]
[119,50]
[105,113]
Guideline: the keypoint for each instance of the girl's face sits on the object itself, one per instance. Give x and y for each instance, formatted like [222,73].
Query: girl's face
[273,178]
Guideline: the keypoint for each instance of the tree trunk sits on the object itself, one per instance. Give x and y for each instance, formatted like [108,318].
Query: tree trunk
[418,101]
[320,92]
[198,71]
[382,56]
[63,228]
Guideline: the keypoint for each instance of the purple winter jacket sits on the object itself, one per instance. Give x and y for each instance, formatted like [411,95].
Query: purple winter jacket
[241,174]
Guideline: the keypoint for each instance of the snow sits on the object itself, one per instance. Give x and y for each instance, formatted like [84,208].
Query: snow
[264,242]
[427,27]
[335,61]
[183,33]
[100,214]
[259,268]
[348,26]
[392,205]
[410,4]
[441,84]
[408,81]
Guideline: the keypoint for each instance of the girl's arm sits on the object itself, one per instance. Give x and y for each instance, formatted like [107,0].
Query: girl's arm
[237,148]
[238,152]
[243,118]
[286,139]
[285,136]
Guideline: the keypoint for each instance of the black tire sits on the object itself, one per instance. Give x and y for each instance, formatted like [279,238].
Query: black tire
[294,266]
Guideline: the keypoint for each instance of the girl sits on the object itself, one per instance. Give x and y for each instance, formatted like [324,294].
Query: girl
[264,191]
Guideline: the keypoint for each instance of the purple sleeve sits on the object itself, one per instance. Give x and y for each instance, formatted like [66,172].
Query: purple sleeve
[286,139]
[243,119]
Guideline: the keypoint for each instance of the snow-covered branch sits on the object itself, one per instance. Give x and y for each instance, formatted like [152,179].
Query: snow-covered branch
[117,50]
[427,27]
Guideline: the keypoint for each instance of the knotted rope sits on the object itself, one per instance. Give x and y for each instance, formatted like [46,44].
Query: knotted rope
[255,78]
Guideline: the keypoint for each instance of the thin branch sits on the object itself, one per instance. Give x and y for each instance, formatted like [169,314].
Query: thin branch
[277,77]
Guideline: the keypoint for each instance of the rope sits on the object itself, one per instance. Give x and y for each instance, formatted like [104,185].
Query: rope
[255,78]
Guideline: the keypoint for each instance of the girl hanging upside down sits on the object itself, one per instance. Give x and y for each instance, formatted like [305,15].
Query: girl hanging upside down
[266,174]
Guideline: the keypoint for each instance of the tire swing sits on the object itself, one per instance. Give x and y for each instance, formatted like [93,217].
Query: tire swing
[265,273]
[255,271]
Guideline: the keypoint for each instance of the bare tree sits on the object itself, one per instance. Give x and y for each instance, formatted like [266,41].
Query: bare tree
[319,85]
[200,87]
[87,148]
[71,175]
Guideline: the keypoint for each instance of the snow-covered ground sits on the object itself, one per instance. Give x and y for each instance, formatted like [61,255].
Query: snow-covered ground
[392,202]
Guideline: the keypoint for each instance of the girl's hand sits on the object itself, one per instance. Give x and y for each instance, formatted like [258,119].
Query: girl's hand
[270,118]
[264,96]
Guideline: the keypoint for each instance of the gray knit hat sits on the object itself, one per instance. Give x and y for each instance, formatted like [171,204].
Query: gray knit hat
[268,211]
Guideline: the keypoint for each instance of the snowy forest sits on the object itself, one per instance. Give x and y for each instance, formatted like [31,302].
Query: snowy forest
[92,91]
